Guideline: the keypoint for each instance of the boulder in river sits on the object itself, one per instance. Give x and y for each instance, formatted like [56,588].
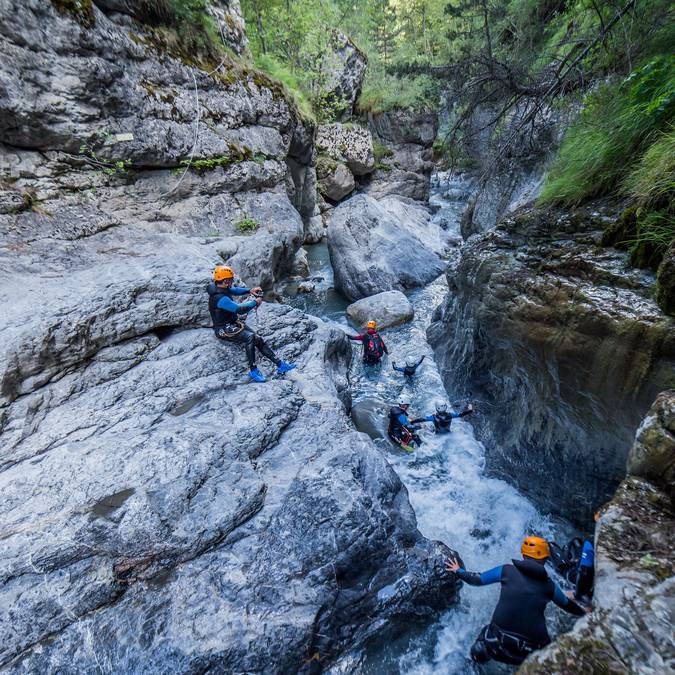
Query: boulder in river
[383,245]
[631,627]
[336,181]
[389,308]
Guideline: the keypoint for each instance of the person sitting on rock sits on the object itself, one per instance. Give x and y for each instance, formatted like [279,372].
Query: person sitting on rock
[518,626]
[442,419]
[400,427]
[225,313]
[373,345]
[411,365]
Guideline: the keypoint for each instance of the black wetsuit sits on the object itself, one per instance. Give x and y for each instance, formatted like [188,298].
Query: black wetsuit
[407,370]
[398,422]
[518,626]
[225,314]
[442,420]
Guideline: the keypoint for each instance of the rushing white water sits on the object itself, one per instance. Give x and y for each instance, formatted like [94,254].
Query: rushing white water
[483,518]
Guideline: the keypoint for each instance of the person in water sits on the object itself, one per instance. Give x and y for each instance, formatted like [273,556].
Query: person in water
[575,563]
[373,345]
[517,627]
[411,365]
[225,313]
[400,427]
[442,419]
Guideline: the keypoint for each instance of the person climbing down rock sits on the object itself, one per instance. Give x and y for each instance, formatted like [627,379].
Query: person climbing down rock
[225,314]
[373,345]
[518,626]
[442,419]
[400,428]
[575,563]
[411,365]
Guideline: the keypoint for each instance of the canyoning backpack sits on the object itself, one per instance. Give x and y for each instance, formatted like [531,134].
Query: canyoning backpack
[565,559]
[373,348]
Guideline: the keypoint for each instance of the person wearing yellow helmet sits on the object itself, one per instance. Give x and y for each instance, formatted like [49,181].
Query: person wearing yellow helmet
[225,313]
[518,626]
[373,344]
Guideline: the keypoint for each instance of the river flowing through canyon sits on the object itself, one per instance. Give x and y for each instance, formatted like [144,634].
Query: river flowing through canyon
[455,500]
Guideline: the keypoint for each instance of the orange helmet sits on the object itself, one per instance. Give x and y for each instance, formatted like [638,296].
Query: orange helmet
[535,547]
[221,272]
[371,324]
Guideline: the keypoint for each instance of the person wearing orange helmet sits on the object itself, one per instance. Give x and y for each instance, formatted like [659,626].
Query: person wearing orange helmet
[518,626]
[225,313]
[373,345]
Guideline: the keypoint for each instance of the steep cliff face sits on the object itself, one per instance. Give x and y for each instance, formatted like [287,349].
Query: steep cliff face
[630,628]
[404,164]
[158,511]
[562,345]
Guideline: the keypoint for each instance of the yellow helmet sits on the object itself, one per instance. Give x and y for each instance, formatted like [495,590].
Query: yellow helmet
[222,272]
[535,547]
[371,324]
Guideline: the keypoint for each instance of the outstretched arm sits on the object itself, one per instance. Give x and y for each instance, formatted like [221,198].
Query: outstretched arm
[358,338]
[395,367]
[417,420]
[560,599]
[464,413]
[417,365]
[231,306]
[491,576]
[239,290]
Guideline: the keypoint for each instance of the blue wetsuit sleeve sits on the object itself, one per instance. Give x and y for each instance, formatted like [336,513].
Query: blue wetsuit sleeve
[239,290]
[403,420]
[231,306]
[397,368]
[492,576]
[429,418]
[560,599]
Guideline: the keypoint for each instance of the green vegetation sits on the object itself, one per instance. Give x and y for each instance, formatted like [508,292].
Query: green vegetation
[624,144]
[106,165]
[186,23]
[82,10]
[247,225]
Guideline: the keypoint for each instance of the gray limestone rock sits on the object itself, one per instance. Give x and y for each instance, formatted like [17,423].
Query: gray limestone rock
[388,309]
[336,181]
[404,140]
[542,320]
[383,245]
[350,144]
[344,65]
[631,627]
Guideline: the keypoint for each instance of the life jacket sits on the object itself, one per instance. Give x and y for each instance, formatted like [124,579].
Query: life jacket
[395,425]
[442,422]
[220,317]
[373,347]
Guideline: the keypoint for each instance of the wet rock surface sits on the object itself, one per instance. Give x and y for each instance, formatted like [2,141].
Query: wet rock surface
[388,309]
[163,509]
[563,345]
[630,628]
[158,511]
[378,246]
[404,168]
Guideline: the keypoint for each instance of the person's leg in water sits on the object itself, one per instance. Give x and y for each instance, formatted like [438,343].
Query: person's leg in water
[479,651]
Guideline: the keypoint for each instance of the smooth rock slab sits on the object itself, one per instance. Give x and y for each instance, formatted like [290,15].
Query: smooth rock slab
[161,513]
[390,308]
[383,245]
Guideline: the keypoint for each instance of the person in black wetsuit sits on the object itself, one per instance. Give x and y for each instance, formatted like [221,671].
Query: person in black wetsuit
[518,626]
[373,345]
[442,419]
[225,313]
[400,427]
[411,365]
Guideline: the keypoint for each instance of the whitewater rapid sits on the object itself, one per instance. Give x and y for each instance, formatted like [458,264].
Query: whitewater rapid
[483,518]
